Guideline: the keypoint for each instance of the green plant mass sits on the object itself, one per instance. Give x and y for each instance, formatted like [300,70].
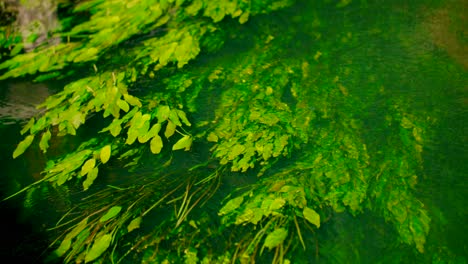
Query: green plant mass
[231,132]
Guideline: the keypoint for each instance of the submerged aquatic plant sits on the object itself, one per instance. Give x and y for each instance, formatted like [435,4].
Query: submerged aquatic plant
[278,130]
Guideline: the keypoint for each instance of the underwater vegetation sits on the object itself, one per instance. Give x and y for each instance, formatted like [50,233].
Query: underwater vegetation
[268,131]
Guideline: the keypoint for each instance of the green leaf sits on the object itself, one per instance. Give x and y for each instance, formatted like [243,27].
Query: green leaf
[134,224]
[22,146]
[63,248]
[156,144]
[123,105]
[132,100]
[170,129]
[99,247]
[231,205]
[105,154]
[311,216]
[150,134]
[275,238]
[113,211]
[27,126]
[44,143]
[163,113]
[183,117]
[92,175]
[184,142]
[88,166]
[174,118]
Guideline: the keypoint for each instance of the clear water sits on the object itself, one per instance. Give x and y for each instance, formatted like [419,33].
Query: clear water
[417,50]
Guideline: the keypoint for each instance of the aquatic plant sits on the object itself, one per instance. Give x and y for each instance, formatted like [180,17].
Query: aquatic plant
[207,101]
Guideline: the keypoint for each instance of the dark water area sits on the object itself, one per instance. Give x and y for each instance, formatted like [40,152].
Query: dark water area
[415,50]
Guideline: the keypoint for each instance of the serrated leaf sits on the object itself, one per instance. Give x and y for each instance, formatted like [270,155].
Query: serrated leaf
[23,145]
[311,216]
[92,175]
[134,224]
[105,154]
[275,238]
[99,247]
[231,205]
[184,143]
[44,143]
[88,166]
[113,211]
[156,144]
[170,129]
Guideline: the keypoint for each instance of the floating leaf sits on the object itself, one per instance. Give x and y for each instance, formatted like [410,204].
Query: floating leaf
[44,143]
[23,145]
[99,246]
[184,142]
[113,211]
[134,224]
[275,238]
[156,144]
[88,166]
[105,154]
[311,216]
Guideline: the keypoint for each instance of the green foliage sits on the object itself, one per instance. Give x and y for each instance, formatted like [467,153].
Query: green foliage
[292,120]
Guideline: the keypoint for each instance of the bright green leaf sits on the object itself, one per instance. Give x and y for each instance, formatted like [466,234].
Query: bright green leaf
[92,175]
[163,113]
[99,247]
[23,145]
[63,248]
[27,126]
[88,166]
[170,129]
[123,105]
[44,143]
[275,238]
[183,117]
[105,154]
[156,144]
[311,216]
[132,100]
[134,224]
[113,211]
[184,143]
[232,205]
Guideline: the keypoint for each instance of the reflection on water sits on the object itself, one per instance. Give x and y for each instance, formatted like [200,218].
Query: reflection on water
[18,101]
